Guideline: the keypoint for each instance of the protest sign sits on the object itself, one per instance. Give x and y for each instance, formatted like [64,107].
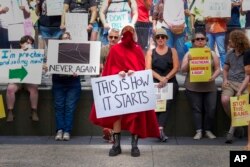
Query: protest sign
[71,56]
[13,34]
[2,110]
[114,95]
[161,105]
[76,24]
[217,8]
[54,7]
[200,65]
[245,5]
[19,66]
[240,110]
[165,93]
[117,20]
[162,95]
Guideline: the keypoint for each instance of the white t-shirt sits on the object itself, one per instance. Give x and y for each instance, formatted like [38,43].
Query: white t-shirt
[173,12]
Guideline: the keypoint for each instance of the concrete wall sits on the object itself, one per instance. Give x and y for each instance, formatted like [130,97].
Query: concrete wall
[180,121]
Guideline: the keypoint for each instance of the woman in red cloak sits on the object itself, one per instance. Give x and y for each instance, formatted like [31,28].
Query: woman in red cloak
[127,57]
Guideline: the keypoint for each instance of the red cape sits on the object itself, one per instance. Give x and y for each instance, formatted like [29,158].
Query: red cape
[143,124]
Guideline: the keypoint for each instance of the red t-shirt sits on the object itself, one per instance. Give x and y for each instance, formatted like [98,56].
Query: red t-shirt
[143,12]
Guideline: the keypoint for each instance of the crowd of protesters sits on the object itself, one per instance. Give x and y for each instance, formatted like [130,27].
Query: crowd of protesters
[171,27]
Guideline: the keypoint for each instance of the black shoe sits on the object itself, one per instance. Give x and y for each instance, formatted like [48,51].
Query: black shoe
[135,152]
[163,137]
[229,138]
[114,151]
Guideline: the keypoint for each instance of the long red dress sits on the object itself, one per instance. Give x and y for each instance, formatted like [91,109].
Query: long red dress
[122,58]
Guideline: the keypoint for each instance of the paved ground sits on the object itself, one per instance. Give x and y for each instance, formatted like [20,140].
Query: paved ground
[90,151]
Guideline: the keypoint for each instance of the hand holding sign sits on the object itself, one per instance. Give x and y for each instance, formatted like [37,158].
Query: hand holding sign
[114,95]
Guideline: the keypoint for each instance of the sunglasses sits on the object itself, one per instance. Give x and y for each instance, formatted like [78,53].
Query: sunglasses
[200,39]
[113,37]
[160,36]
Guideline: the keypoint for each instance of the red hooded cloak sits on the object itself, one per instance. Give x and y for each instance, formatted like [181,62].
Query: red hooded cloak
[123,58]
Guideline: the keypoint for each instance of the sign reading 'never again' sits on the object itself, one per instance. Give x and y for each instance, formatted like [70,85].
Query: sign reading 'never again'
[70,56]
[114,95]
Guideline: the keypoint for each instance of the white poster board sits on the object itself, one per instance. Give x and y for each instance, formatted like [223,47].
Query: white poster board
[114,95]
[217,8]
[117,20]
[76,24]
[246,5]
[16,31]
[19,66]
[73,56]
[17,15]
[165,93]
[54,7]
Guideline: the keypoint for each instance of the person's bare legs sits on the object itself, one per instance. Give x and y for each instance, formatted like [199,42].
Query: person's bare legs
[33,90]
[94,35]
[12,88]
[225,101]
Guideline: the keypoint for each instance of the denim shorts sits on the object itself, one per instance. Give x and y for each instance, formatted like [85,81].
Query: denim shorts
[95,27]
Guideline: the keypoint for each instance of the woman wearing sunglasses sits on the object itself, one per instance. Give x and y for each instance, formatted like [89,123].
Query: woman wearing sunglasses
[202,96]
[164,62]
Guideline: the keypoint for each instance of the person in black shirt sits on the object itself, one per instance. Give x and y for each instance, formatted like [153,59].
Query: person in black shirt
[80,6]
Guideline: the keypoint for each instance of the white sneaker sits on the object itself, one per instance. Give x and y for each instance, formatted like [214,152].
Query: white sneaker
[66,136]
[210,135]
[59,135]
[198,136]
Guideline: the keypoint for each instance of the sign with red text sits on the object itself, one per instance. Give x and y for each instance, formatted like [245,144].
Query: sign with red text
[114,95]
[200,64]
[240,110]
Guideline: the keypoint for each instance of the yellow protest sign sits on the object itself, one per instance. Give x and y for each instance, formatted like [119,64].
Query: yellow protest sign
[240,110]
[2,111]
[200,64]
[161,106]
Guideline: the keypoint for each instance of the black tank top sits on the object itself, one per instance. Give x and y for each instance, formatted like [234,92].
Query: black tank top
[247,20]
[163,64]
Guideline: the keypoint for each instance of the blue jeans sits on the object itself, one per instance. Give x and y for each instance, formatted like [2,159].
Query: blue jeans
[66,91]
[219,39]
[203,103]
[50,32]
[177,42]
